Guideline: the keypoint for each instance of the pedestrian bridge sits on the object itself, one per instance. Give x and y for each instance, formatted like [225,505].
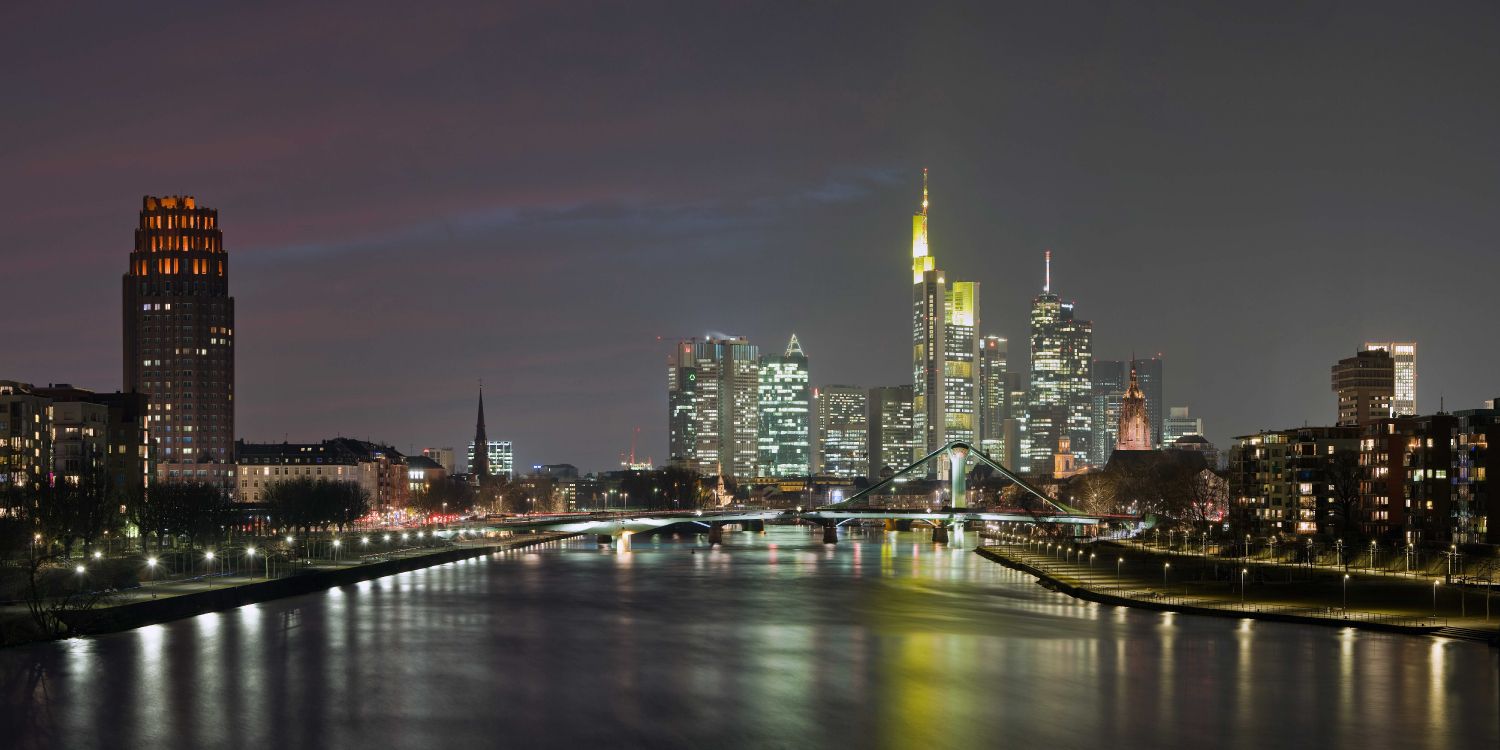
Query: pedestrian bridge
[953,460]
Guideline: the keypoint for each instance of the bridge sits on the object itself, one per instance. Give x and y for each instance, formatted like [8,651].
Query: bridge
[952,460]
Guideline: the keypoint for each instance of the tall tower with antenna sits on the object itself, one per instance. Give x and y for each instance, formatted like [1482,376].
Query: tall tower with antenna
[945,346]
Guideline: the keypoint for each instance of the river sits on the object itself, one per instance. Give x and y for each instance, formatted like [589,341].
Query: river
[775,640]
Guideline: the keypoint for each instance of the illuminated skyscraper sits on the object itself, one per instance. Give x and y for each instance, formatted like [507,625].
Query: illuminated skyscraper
[994,396]
[179,339]
[1365,384]
[1405,355]
[784,402]
[1061,402]
[1109,389]
[842,430]
[945,346]
[713,392]
[892,441]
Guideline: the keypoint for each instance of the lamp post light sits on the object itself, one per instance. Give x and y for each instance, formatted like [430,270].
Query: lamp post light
[98,555]
[150,569]
[336,544]
[1118,563]
[1091,561]
[1346,594]
[1434,598]
[1372,555]
[249,561]
[1164,568]
[208,561]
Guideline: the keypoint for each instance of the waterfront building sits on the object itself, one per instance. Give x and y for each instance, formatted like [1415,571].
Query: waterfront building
[1135,426]
[892,438]
[179,339]
[994,396]
[1298,481]
[842,431]
[499,459]
[1061,400]
[713,405]
[379,469]
[1425,478]
[1366,386]
[1108,389]
[1404,358]
[945,346]
[784,422]
[1179,422]
[25,437]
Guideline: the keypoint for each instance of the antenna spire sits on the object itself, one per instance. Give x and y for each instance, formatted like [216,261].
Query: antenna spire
[924,191]
[1047,284]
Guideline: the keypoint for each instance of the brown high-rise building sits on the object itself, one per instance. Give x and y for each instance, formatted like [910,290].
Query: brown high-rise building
[179,339]
[1366,387]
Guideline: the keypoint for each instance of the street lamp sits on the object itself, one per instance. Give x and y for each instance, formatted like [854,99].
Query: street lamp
[1243,571]
[336,544]
[1434,598]
[1118,563]
[150,569]
[1164,568]
[1346,595]
[208,559]
[98,554]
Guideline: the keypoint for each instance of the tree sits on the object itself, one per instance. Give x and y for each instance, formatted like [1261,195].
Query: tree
[1343,474]
[443,495]
[305,503]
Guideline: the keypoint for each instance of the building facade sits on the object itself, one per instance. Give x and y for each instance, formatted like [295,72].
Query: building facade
[842,431]
[1404,358]
[1109,382]
[1149,372]
[1061,399]
[713,405]
[179,339]
[994,396]
[784,401]
[1298,481]
[499,459]
[25,438]
[1135,427]
[892,437]
[379,469]
[1179,423]
[1366,387]
[945,346]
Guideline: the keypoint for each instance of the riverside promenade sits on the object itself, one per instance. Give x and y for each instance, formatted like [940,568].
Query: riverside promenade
[1129,575]
[177,598]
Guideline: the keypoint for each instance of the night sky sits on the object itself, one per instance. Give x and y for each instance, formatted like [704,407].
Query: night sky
[414,199]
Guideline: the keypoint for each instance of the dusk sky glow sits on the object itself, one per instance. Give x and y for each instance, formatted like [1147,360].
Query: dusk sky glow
[542,196]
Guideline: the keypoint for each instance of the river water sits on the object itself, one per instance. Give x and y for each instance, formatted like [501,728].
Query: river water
[775,640]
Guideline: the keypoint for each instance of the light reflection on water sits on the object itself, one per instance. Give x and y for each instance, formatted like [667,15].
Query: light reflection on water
[772,640]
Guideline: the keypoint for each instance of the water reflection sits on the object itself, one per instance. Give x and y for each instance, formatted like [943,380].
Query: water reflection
[778,640]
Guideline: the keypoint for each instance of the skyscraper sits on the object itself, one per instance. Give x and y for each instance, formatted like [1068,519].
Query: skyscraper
[1061,402]
[1109,388]
[784,402]
[1135,426]
[994,395]
[1404,353]
[1150,376]
[479,463]
[1366,386]
[713,389]
[842,431]
[945,346]
[892,439]
[179,339]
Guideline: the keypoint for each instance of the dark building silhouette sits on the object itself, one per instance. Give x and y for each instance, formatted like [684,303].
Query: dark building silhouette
[179,339]
[479,465]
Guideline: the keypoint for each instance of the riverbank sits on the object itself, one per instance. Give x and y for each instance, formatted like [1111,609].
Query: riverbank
[1129,577]
[153,603]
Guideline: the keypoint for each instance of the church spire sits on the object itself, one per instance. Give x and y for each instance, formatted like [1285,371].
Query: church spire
[481,463]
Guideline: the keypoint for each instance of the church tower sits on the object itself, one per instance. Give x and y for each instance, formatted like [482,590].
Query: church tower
[1135,425]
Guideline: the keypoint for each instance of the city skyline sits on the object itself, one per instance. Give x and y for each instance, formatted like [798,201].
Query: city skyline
[322,216]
